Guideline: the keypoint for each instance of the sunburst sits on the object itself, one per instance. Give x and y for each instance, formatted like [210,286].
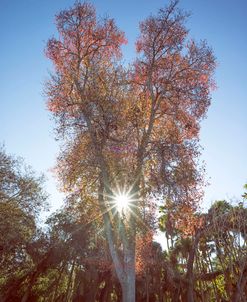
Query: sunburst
[122,202]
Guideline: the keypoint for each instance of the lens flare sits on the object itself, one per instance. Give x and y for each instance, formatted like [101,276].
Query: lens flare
[122,202]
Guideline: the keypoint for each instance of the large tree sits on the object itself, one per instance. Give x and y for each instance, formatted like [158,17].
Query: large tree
[129,132]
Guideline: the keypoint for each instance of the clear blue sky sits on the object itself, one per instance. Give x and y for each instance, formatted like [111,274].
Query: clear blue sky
[27,131]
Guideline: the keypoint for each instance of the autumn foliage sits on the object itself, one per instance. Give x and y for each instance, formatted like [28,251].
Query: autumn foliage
[133,127]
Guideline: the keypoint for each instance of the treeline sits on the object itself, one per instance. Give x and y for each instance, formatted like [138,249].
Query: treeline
[68,260]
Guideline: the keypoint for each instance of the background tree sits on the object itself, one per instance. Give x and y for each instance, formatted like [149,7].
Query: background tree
[21,198]
[205,265]
[71,261]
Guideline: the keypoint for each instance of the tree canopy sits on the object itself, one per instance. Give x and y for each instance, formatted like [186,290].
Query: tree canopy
[150,112]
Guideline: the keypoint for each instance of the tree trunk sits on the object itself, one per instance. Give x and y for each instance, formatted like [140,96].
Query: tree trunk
[128,289]
[238,294]
[69,286]
[147,279]
[190,275]
[128,284]
[124,264]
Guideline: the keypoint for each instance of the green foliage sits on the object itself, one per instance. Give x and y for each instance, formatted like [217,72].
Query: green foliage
[21,199]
